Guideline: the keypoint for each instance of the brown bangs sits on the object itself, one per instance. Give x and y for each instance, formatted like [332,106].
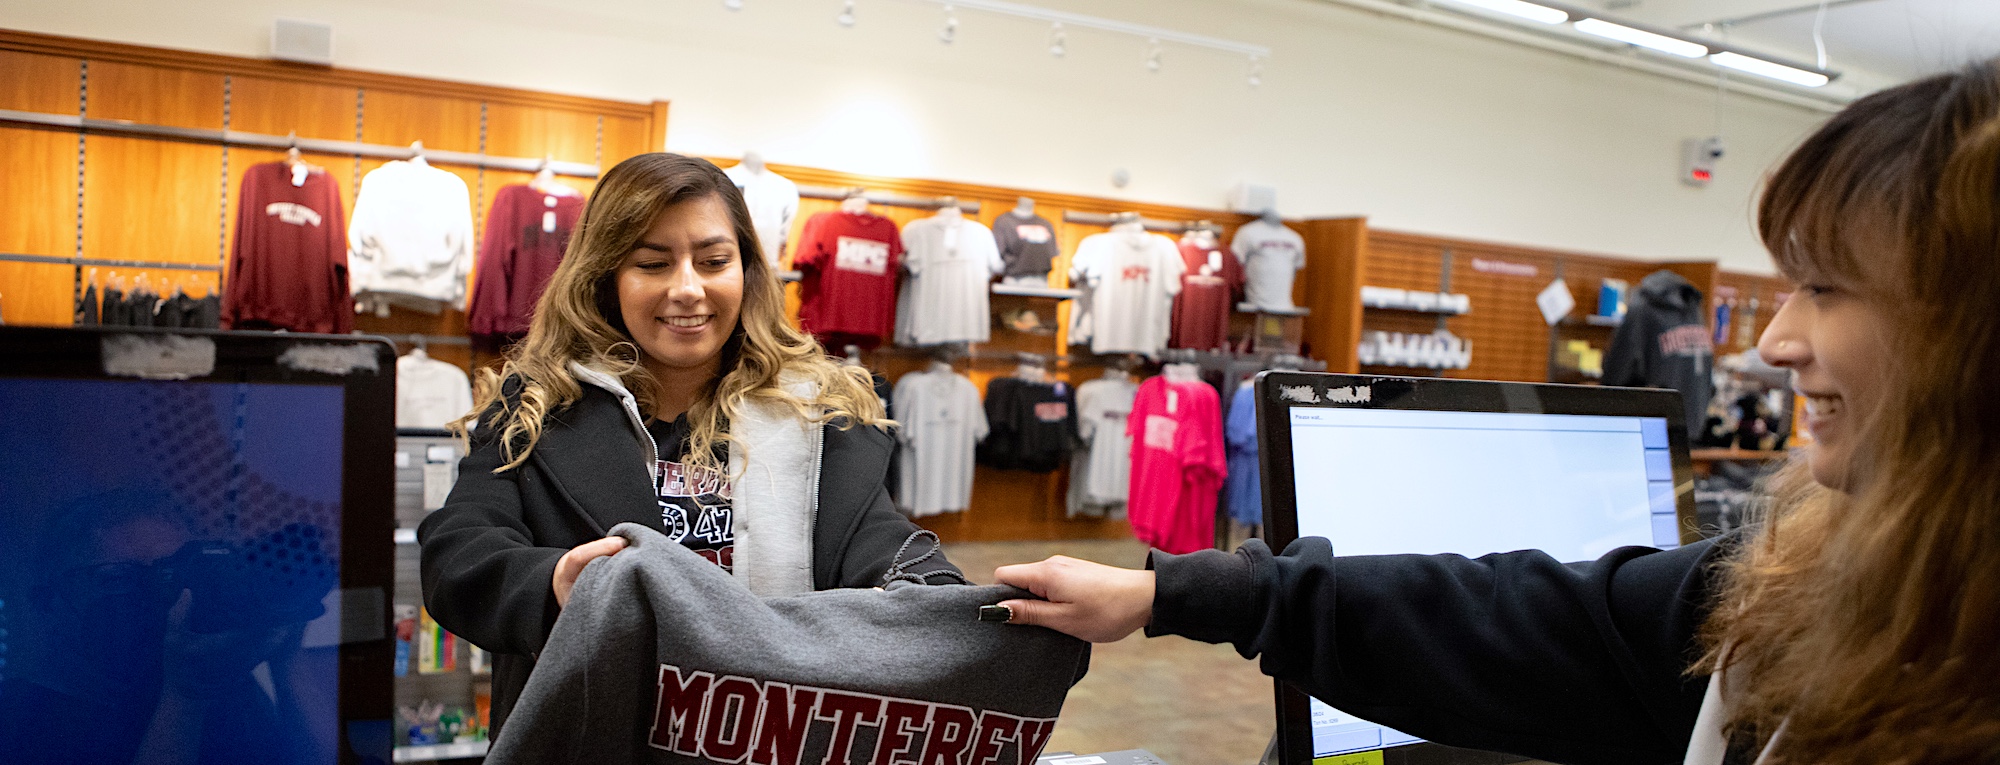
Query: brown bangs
[1855,187]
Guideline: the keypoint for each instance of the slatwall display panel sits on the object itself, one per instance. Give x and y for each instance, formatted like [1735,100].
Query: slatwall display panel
[1400,262]
[38,192]
[1509,338]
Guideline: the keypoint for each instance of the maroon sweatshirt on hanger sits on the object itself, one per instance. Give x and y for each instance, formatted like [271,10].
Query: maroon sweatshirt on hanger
[526,233]
[288,269]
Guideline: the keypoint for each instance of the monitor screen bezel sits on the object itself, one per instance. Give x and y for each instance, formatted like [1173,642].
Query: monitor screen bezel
[1274,445]
[367,481]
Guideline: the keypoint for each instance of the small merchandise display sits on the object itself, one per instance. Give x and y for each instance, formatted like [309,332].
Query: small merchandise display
[430,393]
[1209,286]
[1271,254]
[950,261]
[1664,343]
[942,421]
[1437,350]
[288,268]
[1032,421]
[850,261]
[526,233]
[1131,277]
[773,201]
[410,241]
[1027,243]
[1101,473]
[443,683]
[1178,463]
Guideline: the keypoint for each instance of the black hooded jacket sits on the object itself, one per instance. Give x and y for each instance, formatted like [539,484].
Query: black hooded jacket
[1664,343]
[489,554]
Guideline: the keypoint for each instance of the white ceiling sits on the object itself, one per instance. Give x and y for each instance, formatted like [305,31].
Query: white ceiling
[1874,43]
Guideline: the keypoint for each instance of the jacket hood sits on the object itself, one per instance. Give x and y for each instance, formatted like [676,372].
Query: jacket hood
[1670,290]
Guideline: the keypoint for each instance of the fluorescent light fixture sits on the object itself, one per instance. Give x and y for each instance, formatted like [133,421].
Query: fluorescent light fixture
[1642,38]
[1762,68]
[1529,11]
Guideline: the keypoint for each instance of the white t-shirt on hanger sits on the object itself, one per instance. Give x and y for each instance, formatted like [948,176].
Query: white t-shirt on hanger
[430,393]
[1102,406]
[411,233]
[951,263]
[1271,256]
[1132,278]
[942,420]
[773,201]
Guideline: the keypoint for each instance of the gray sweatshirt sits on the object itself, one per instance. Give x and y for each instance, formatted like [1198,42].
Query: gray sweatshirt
[661,657]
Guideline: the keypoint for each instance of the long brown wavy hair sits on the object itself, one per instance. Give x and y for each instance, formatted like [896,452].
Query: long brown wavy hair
[1867,621]
[577,319]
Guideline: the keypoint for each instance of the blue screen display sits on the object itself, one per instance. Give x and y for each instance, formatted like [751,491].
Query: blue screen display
[169,568]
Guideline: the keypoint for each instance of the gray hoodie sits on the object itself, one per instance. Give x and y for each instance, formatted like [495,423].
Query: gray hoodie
[661,657]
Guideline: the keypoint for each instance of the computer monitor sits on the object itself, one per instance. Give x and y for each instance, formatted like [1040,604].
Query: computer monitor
[195,547]
[1384,465]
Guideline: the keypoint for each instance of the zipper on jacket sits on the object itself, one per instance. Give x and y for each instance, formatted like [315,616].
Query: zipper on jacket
[819,453]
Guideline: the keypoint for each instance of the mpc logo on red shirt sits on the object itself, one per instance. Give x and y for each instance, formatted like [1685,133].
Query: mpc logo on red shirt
[743,720]
[862,256]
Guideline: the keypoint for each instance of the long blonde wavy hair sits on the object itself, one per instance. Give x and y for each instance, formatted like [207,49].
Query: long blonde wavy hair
[1867,621]
[577,319]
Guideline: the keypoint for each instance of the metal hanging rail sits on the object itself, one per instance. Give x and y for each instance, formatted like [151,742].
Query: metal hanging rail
[969,207]
[1101,219]
[98,263]
[313,145]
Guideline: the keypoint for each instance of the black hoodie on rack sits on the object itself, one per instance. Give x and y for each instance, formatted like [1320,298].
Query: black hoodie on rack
[1664,343]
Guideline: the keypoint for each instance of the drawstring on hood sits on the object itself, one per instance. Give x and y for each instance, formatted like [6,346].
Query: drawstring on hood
[899,569]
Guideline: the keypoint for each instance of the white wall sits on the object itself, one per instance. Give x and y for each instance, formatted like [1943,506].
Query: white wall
[1421,129]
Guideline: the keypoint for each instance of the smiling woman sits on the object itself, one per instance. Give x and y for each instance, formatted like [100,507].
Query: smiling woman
[660,384]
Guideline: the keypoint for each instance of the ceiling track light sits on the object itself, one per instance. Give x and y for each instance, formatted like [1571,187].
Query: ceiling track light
[1256,71]
[1518,9]
[1058,40]
[950,30]
[1153,55]
[734,5]
[1642,38]
[1771,69]
[846,17]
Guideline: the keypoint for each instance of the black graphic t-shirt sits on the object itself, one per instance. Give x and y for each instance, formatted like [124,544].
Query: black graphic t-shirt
[695,506]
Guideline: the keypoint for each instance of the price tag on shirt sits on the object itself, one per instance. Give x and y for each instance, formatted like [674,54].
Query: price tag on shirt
[549,222]
[299,172]
[1173,401]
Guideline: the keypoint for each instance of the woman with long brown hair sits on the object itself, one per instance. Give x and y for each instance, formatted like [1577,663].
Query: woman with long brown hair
[1859,622]
[660,384]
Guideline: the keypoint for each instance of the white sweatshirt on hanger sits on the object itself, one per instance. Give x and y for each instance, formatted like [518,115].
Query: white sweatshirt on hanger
[411,233]
[430,393]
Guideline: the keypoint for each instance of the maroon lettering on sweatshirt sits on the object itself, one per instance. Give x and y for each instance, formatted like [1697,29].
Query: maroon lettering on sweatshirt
[738,719]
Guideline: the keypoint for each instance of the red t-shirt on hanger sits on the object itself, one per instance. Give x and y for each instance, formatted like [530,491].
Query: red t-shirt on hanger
[1209,288]
[849,263]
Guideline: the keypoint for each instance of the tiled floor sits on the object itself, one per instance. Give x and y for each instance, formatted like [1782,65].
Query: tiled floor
[1190,703]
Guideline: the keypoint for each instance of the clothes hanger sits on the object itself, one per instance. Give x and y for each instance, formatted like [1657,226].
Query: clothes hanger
[417,154]
[856,202]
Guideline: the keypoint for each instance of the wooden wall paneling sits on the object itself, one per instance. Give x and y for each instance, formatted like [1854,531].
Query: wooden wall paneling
[210,63]
[152,200]
[656,127]
[624,138]
[389,117]
[1509,338]
[1336,268]
[148,199]
[38,192]
[36,83]
[37,294]
[1770,292]
[278,107]
[533,131]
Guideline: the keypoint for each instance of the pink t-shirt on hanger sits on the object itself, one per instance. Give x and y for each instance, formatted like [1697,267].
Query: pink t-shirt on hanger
[1177,464]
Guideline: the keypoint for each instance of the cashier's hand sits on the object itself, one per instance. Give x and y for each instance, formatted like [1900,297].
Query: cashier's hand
[570,565]
[1091,601]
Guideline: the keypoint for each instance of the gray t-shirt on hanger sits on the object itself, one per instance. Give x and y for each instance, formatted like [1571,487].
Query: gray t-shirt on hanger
[1027,244]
